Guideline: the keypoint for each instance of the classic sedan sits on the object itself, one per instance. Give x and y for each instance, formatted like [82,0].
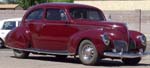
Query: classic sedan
[67,29]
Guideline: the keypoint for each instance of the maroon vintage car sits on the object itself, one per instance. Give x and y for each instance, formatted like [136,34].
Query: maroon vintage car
[66,29]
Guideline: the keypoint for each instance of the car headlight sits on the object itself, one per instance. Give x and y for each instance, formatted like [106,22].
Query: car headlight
[105,39]
[142,38]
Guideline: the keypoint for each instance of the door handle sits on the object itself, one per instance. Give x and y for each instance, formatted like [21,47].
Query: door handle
[40,27]
[43,25]
[67,23]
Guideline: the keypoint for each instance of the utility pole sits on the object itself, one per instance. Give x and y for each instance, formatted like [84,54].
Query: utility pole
[139,12]
[140,19]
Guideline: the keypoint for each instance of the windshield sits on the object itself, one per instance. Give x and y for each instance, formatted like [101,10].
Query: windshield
[86,13]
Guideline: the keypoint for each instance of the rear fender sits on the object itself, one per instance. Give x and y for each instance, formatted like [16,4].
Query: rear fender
[18,38]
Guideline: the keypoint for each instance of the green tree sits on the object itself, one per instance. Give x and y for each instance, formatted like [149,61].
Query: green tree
[25,4]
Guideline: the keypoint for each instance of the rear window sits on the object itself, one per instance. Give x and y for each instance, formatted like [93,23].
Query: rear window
[86,13]
[9,25]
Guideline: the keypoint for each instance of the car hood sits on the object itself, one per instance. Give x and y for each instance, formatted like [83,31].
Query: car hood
[115,30]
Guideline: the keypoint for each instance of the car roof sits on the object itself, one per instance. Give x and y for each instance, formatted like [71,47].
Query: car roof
[62,5]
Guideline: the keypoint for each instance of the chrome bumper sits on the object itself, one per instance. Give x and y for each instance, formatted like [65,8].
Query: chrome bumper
[124,55]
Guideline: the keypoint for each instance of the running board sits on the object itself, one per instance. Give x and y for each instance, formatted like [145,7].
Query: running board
[43,51]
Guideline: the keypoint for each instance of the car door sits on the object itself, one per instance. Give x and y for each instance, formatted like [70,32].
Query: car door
[56,31]
[33,23]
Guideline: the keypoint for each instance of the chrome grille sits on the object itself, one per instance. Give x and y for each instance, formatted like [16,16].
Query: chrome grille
[120,45]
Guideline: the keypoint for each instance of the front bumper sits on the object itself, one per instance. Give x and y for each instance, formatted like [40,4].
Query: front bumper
[125,54]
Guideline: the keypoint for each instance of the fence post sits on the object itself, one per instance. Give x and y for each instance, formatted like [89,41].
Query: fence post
[140,18]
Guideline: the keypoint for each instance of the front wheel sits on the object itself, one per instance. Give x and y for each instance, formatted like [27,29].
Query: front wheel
[20,54]
[87,53]
[131,61]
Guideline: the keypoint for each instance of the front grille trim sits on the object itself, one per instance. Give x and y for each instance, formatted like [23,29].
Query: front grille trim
[119,44]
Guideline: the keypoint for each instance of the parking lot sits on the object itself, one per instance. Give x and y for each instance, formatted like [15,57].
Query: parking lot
[7,60]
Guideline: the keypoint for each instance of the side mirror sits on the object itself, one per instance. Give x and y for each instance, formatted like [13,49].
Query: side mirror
[109,18]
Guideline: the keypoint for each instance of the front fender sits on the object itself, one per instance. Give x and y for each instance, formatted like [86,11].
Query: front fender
[18,38]
[92,35]
[133,36]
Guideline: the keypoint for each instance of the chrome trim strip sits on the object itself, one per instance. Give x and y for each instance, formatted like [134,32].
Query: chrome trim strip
[71,24]
[41,52]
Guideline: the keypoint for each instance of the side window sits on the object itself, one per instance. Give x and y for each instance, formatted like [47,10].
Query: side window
[35,15]
[86,13]
[79,13]
[93,15]
[9,25]
[55,14]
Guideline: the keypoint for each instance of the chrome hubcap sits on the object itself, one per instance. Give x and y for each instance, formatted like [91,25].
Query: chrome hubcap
[17,52]
[87,52]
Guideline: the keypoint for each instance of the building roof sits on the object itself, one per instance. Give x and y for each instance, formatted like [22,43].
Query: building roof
[8,6]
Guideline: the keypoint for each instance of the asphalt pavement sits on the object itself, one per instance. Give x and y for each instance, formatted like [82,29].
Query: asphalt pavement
[7,60]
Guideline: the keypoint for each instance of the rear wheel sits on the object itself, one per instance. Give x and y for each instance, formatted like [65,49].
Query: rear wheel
[131,61]
[1,43]
[88,53]
[20,54]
